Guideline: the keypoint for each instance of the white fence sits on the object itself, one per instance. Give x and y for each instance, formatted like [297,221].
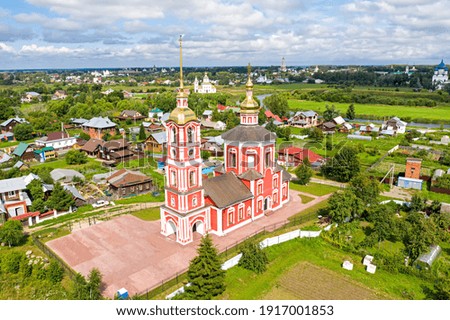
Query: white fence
[263,244]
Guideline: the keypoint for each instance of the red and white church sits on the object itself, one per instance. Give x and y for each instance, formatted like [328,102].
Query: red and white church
[247,186]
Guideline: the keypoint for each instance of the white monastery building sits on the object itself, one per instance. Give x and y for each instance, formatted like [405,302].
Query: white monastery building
[248,184]
[206,86]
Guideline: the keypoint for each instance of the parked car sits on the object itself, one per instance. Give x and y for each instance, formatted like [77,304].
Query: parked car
[100,203]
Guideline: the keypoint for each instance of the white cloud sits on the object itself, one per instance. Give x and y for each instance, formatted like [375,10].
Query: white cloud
[34,49]
[6,49]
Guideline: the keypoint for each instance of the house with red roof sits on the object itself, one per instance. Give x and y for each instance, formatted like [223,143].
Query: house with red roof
[294,156]
[269,115]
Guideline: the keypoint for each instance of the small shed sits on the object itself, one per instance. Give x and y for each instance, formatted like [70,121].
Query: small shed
[425,260]
[409,183]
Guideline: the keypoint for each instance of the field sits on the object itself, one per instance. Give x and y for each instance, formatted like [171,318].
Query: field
[377,111]
[293,263]
[306,281]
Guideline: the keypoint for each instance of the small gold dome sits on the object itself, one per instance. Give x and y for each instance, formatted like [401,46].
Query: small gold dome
[182,115]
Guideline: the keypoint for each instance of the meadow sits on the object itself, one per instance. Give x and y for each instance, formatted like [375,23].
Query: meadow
[439,114]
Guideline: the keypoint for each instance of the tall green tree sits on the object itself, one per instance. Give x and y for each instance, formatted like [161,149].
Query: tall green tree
[343,166]
[253,257]
[330,113]
[23,131]
[11,232]
[94,284]
[278,104]
[344,205]
[142,135]
[420,234]
[205,274]
[75,156]
[303,173]
[351,112]
[365,188]
[60,199]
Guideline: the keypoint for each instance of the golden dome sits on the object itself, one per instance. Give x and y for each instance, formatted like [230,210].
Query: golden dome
[249,105]
[182,115]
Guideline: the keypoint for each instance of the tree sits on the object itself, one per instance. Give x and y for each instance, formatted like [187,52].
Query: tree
[38,205]
[253,258]
[350,112]
[384,225]
[271,126]
[420,234]
[365,188]
[142,135]
[329,143]
[418,203]
[35,189]
[278,104]
[343,166]
[74,156]
[303,173]
[316,134]
[87,289]
[23,131]
[283,132]
[94,284]
[205,274]
[11,232]
[344,205]
[60,199]
[55,272]
[330,113]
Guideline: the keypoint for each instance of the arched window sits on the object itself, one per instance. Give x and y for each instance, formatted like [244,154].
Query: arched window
[192,180]
[194,201]
[190,135]
[191,153]
[267,159]
[174,135]
[232,158]
[173,178]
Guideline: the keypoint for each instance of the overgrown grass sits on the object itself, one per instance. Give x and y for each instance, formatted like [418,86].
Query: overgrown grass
[150,214]
[315,189]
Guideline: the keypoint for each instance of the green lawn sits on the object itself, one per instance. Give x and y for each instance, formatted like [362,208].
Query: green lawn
[316,189]
[305,199]
[148,197]
[150,214]
[243,284]
[436,114]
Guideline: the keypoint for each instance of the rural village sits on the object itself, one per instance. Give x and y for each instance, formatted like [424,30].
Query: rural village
[111,180]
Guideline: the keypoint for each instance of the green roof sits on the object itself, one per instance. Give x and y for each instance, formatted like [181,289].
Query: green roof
[44,149]
[20,149]
[156,110]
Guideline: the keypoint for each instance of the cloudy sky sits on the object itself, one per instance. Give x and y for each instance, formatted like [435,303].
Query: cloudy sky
[127,33]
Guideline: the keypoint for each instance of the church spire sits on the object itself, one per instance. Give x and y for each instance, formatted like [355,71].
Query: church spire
[182,114]
[249,107]
[181,93]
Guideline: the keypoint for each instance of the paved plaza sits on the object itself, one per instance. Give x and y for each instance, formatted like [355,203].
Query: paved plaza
[131,253]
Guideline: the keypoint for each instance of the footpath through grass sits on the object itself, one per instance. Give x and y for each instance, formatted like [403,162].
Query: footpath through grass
[246,285]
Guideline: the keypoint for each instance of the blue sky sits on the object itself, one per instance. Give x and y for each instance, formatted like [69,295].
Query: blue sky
[140,33]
